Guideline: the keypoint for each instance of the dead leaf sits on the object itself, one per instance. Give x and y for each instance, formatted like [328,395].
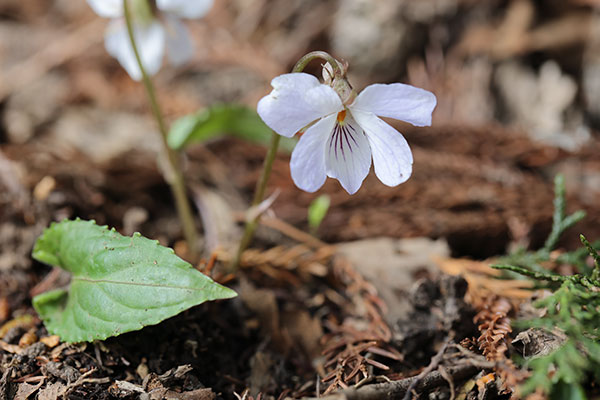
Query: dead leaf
[25,321]
[25,389]
[52,391]
[389,264]
[264,304]
[261,373]
[304,330]
[4,309]
[51,341]
[28,338]
[199,394]
[127,388]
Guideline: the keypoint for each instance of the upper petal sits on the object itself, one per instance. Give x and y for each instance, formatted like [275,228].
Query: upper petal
[185,8]
[308,158]
[107,8]
[297,100]
[399,101]
[348,155]
[150,40]
[180,48]
[392,157]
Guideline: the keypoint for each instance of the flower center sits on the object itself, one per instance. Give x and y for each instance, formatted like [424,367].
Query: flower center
[343,139]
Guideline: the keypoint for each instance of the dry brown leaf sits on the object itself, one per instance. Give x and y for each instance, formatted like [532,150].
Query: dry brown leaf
[52,391]
[25,389]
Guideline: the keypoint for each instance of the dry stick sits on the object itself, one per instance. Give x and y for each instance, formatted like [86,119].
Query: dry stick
[261,185]
[397,389]
[174,176]
[435,361]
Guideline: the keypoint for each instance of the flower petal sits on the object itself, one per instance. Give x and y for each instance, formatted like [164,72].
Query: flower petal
[399,101]
[348,155]
[180,48]
[308,158]
[392,157]
[297,100]
[185,8]
[150,41]
[107,8]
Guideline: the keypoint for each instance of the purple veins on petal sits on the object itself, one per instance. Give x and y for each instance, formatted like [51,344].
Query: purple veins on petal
[343,135]
[347,133]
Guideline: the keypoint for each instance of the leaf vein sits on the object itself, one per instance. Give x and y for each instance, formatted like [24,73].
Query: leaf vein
[158,285]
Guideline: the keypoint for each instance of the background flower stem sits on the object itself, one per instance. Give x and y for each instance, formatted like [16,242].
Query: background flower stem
[174,176]
[261,185]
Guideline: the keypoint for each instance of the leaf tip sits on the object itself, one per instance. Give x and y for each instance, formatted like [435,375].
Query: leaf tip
[227,293]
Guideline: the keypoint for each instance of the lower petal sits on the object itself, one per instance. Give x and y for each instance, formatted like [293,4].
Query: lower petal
[107,8]
[150,41]
[392,157]
[179,44]
[151,44]
[308,158]
[348,155]
[185,8]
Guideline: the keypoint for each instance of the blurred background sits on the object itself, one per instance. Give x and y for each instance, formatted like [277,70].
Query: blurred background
[517,82]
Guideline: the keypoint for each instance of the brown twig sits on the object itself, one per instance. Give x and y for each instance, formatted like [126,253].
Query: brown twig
[395,389]
[435,362]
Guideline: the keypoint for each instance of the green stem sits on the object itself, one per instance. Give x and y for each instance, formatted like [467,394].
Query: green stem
[259,194]
[174,176]
[261,185]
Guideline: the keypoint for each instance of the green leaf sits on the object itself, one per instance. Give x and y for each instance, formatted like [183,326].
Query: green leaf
[532,274]
[119,283]
[221,120]
[317,211]
[560,221]
[594,254]
[567,391]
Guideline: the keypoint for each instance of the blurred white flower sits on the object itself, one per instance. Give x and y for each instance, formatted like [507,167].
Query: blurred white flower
[152,33]
[341,139]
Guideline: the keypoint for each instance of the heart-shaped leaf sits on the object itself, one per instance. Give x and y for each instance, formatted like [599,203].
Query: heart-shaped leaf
[119,283]
[221,120]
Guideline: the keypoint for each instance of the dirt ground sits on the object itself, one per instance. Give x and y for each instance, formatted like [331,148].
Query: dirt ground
[395,291]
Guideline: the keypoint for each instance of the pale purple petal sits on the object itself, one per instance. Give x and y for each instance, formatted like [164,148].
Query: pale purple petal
[107,8]
[392,157]
[308,158]
[348,155]
[150,40]
[180,48]
[185,8]
[297,100]
[399,101]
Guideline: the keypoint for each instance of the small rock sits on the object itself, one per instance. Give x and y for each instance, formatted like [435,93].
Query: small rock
[535,342]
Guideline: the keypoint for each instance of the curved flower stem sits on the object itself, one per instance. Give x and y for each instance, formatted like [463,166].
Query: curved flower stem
[261,185]
[174,176]
[303,62]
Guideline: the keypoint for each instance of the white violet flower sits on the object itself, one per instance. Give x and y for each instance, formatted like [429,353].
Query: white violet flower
[152,33]
[343,131]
